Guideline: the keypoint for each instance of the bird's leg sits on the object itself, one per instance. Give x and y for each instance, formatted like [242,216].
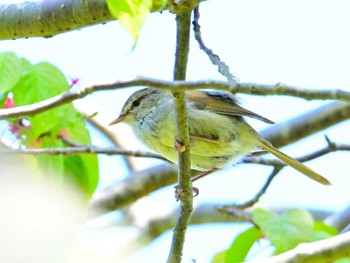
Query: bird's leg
[204,174]
[181,148]
[195,189]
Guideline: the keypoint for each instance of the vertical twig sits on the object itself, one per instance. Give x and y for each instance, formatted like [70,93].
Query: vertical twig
[183,23]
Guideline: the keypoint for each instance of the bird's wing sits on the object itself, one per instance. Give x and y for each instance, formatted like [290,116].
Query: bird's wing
[221,102]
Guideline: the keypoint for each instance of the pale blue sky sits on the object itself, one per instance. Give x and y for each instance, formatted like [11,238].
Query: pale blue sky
[301,43]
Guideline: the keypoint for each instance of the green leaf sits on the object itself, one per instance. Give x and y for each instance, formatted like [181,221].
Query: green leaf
[39,82]
[10,71]
[159,5]
[42,81]
[322,231]
[241,245]
[219,257]
[83,168]
[287,230]
[342,260]
[3,97]
[131,13]
[51,165]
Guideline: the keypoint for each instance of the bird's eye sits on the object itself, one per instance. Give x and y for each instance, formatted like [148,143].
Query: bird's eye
[136,103]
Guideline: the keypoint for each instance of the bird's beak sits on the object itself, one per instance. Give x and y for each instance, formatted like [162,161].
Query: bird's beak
[118,120]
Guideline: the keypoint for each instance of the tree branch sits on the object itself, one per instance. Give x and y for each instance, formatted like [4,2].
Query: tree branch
[184,188]
[87,149]
[132,188]
[320,251]
[47,18]
[333,147]
[256,198]
[246,88]
[306,124]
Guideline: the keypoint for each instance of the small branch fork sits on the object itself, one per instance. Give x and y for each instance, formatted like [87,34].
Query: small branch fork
[278,166]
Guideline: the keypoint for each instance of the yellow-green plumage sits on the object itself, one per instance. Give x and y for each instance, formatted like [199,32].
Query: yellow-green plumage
[218,132]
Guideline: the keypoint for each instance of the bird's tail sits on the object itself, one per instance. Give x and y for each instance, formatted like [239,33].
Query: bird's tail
[293,163]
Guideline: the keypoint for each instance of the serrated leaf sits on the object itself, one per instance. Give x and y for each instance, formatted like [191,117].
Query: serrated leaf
[287,230]
[131,13]
[10,70]
[241,245]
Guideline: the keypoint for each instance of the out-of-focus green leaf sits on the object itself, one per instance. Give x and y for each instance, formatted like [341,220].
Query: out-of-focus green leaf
[82,167]
[131,13]
[10,71]
[239,248]
[51,165]
[241,245]
[342,260]
[39,82]
[291,228]
[42,81]
[3,97]
[219,257]
[287,230]
[159,5]
[322,231]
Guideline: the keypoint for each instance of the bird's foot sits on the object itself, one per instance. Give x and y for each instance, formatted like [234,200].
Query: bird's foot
[180,147]
[178,195]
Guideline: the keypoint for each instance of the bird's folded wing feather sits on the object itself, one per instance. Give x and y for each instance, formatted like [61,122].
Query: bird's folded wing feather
[222,103]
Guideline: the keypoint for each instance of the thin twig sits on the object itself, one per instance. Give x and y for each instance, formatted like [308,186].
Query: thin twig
[256,198]
[214,58]
[331,147]
[86,149]
[246,88]
[68,141]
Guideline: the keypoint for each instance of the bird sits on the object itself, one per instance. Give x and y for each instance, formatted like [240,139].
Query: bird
[219,134]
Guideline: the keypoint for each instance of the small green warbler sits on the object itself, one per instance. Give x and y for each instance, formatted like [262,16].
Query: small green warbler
[219,134]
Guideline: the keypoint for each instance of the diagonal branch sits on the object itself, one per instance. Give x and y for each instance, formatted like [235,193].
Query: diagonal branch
[47,18]
[132,188]
[326,250]
[306,124]
[259,194]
